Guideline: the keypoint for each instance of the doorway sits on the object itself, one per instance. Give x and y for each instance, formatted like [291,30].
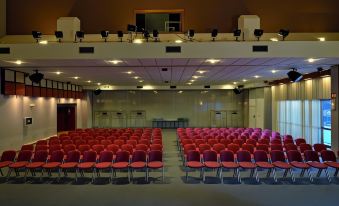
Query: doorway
[66,115]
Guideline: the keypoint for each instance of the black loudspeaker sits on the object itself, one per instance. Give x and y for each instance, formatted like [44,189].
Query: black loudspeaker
[36,77]
[237,91]
[97,92]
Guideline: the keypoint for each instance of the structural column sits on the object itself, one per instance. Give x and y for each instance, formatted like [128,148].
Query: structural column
[334,114]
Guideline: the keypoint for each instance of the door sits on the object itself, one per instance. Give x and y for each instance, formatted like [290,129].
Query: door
[66,117]
[218,118]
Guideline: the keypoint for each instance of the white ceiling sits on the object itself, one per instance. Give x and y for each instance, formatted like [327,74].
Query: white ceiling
[180,71]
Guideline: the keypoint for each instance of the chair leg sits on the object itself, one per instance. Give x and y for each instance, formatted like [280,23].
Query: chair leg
[203,174]
[256,175]
[274,175]
[42,173]
[163,174]
[292,175]
[336,172]
[76,176]
[328,176]
[2,174]
[93,176]
[9,173]
[129,175]
[146,173]
[186,174]
[25,175]
[59,175]
[319,172]
[239,176]
[310,175]
[221,175]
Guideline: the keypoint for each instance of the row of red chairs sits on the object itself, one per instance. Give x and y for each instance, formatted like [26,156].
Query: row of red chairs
[242,160]
[60,162]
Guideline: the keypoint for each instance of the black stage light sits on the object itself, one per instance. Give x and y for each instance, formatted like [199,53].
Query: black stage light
[36,35]
[190,34]
[104,35]
[156,35]
[131,28]
[258,33]
[79,35]
[97,92]
[237,91]
[146,35]
[283,33]
[237,34]
[120,35]
[36,77]
[294,76]
[214,34]
[59,35]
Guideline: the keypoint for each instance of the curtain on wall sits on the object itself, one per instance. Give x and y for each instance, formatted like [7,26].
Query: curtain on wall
[296,108]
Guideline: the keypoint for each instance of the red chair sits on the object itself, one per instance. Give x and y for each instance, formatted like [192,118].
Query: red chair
[263,147]
[132,142]
[330,160]
[71,163]
[55,160]
[218,147]
[199,142]
[304,147]
[300,141]
[141,147]
[155,162]
[193,162]
[204,147]
[312,159]
[121,162]
[39,159]
[233,147]
[66,142]
[54,142]
[296,161]
[251,141]
[29,147]
[239,142]
[261,160]
[245,162]
[248,147]
[277,147]
[7,158]
[154,147]
[93,142]
[88,162]
[157,141]
[24,157]
[264,141]
[127,147]
[83,148]
[98,148]
[319,147]
[41,147]
[69,147]
[80,142]
[275,141]
[279,161]
[288,141]
[225,142]
[210,161]
[42,142]
[138,162]
[105,163]
[212,142]
[227,162]
[290,147]
[187,148]
[144,141]
[119,142]
[113,148]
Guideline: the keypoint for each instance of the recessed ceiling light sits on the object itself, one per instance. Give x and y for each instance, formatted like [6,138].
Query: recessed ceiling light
[98,83]
[129,72]
[256,76]
[58,72]
[201,71]
[115,61]
[213,61]
[18,62]
[322,39]
[189,83]
[180,92]
[136,77]
[281,83]
[141,81]
[244,80]
[89,81]
[192,80]
[178,41]
[274,71]
[235,82]
[196,77]
[311,60]
[137,41]
[155,92]
[274,39]
[43,42]
[76,77]
[308,79]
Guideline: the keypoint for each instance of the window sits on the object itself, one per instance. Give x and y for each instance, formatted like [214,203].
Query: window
[163,21]
[326,122]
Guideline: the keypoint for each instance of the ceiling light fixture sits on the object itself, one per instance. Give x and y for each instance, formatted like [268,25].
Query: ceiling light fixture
[294,76]
[213,61]
[214,34]
[201,71]
[44,42]
[76,77]
[89,81]
[312,60]
[258,33]
[136,77]
[274,71]
[189,83]
[115,61]
[274,39]
[237,34]
[192,80]
[98,83]
[196,77]
[178,41]
[235,82]
[244,80]
[58,72]
[18,62]
[283,33]
[129,72]
[180,92]
[141,81]
[256,76]
[322,39]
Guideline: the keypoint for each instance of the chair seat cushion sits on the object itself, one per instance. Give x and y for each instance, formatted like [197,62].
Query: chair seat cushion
[155,165]
[247,165]
[86,165]
[300,165]
[137,165]
[103,165]
[265,165]
[5,164]
[194,164]
[68,165]
[282,165]
[51,165]
[18,164]
[230,165]
[317,165]
[333,164]
[212,164]
[120,165]
[35,165]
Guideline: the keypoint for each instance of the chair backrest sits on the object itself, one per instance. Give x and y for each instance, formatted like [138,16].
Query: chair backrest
[69,147]
[210,156]
[54,147]
[226,156]
[263,147]
[42,142]
[189,147]
[80,142]
[113,148]
[132,142]
[98,148]
[139,156]
[289,147]
[204,147]
[57,156]
[288,141]
[144,141]
[66,142]
[40,156]
[89,156]
[83,148]
[233,147]
[239,142]
[41,147]
[119,142]
[8,155]
[155,156]
[294,156]
[27,147]
[248,147]
[303,147]
[157,141]
[243,156]
[122,156]
[328,156]
[93,142]
[73,156]
[311,155]
[277,156]
[212,142]
[24,155]
[54,142]
[319,147]
[275,141]
[251,141]
[260,156]
[278,147]
[106,156]
[141,147]
[186,141]
[218,147]
[193,155]
[127,147]
[300,141]
[156,147]
[264,141]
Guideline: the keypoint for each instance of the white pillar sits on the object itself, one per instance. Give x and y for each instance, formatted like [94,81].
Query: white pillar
[2,18]
[335,116]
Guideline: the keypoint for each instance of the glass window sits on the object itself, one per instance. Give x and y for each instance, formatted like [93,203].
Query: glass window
[326,121]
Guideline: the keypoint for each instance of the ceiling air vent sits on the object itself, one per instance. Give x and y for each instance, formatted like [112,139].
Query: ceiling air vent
[173,49]
[262,48]
[86,50]
[5,50]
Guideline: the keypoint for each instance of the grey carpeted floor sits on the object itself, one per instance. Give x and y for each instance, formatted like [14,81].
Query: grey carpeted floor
[175,191]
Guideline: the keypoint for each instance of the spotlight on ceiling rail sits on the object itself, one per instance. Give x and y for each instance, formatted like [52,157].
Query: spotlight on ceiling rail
[294,76]
[36,35]
[156,35]
[190,34]
[120,35]
[146,35]
[283,33]
[79,35]
[238,90]
[214,34]
[258,33]
[237,34]
[97,92]
[104,35]
[59,35]
[36,77]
